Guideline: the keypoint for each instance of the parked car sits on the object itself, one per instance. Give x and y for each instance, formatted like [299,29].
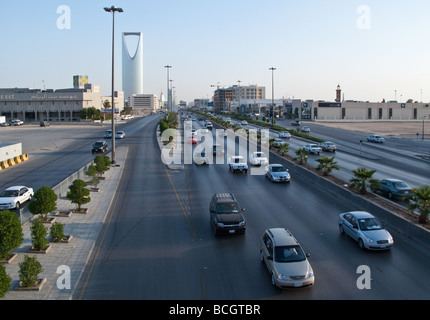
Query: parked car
[284,134]
[312,148]
[305,129]
[44,124]
[108,134]
[258,158]
[5,124]
[14,197]
[226,214]
[328,146]
[394,188]
[99,146]
[119,135]
[366,229]
[237,163]
[277,173]
[285,259]
[17,122]
[277,143]
[375,138]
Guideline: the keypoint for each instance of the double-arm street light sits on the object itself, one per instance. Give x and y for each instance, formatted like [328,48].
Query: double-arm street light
[113,9]
[273,102]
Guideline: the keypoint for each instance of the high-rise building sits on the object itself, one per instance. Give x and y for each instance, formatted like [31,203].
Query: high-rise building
[132,66]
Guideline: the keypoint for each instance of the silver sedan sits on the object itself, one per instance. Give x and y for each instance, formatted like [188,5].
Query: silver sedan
[366,229]
[277,173]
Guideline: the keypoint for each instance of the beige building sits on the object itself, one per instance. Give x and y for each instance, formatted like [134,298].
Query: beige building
[30,105]
[144,103]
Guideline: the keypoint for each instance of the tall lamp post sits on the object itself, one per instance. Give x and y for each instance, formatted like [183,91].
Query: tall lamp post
[168,87]
[113,9]
[273,102]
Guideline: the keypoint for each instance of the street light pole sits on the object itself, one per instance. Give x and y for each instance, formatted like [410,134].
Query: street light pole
[273,102]
[422,136]
[168,87]
[113,9]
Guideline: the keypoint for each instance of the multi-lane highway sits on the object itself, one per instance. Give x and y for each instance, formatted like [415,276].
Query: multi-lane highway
[159,243]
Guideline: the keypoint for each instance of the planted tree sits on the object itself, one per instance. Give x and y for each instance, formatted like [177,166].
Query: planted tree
[78,193]
[420,198]
[5,281]
[38,234]
[362,180]
[93,174]
[57,232]
[29,271]
[10,233]
[45,201]
[100,165]
[302,155]
[326,165]
[283,149]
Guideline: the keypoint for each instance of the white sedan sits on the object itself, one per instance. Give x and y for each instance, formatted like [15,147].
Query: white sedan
[312,148]
[258,158]
[285,134]
[14,197]
[119,135]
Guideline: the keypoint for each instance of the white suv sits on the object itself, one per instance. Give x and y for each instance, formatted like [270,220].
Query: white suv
[284,257]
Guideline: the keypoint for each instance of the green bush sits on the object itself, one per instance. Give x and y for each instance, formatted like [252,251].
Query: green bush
[57,232]
[78,194]
[29,271]
[45,201]
[10,233]
[38,234]
[5,281]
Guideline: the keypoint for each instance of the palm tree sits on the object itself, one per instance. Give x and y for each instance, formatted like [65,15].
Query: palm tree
[283,149]
[421,202]
[363,180]
[302,155]
[326,165]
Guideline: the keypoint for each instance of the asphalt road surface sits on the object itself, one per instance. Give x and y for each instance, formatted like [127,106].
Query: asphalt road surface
[159,244]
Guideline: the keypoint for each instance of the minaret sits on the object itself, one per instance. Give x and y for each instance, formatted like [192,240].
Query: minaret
[338,93]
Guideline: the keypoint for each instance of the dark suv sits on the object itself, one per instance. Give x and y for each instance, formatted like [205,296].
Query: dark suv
[226,214]
[99,146]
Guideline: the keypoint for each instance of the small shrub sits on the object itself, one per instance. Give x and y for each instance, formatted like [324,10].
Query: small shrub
[29,271]
[57,232]
[78,194]
[5,281]
[38,234]
[45,201]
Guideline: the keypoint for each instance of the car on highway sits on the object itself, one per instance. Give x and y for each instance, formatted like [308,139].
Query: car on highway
[217,149]
[366,229]
[5,124]
[328,146]
[375,138]
[226,215]
[209,125]
[295,123]
[258,158]
[305,129]
[244,123]
[119,135]
[201,158]
[99,147]
[394,188]
[237,163]
[277,143]
[108,134]
[312,148]
[277,173]
[14,197]
[284,134]
[44,123]
[192,139]
[285,259]
[17,122]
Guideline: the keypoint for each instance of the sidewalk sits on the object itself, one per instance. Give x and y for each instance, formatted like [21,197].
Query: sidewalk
[83,227]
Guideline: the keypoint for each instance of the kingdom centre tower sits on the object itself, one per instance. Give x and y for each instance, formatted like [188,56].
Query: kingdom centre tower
[132,66]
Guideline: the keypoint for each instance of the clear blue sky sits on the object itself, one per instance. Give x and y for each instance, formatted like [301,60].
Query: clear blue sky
[313,44]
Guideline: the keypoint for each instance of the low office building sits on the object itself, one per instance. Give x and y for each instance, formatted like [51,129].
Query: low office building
[48,105]
[144,103]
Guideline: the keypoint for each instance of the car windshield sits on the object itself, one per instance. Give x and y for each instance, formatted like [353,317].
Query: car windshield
[279,169]
[238,160]
[289,254]
[9,193]
[400,184]
[369,224]
[227,208]
[98,144]
[259,155]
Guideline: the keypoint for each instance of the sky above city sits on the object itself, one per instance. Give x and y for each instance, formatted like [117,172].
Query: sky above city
[374,49]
